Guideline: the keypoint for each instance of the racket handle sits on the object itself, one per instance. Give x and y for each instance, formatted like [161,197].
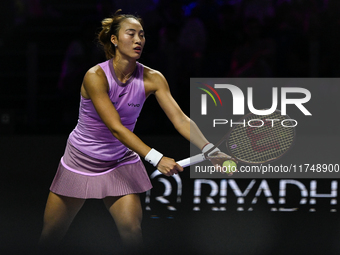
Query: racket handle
[192,160]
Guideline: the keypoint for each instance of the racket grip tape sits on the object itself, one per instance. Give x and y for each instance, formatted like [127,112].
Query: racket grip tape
[192,160]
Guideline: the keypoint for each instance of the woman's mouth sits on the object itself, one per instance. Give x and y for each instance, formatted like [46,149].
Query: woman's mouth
[138,49]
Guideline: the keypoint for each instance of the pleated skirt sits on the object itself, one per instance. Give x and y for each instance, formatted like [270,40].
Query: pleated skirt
[81,176]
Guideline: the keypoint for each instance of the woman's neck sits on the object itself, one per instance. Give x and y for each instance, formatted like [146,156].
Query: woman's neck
[123,68]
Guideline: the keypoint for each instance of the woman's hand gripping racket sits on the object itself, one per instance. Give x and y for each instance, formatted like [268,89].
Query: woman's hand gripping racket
[261,139]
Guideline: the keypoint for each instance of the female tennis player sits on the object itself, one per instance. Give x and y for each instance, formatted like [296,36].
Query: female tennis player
[102,155]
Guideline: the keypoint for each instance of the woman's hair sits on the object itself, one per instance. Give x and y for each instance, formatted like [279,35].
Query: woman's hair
[111,26]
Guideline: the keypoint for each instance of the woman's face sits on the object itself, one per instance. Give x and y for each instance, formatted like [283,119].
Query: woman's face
[131,40]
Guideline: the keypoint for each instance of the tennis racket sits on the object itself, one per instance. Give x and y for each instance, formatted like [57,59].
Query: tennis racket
[262,139]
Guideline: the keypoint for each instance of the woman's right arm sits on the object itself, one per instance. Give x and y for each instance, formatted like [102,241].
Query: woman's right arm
[95,87]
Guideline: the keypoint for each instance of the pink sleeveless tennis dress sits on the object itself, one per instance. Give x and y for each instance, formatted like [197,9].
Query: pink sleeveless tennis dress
[95,163]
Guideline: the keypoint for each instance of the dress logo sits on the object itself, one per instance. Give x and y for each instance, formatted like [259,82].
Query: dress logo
[122,94]
[133,105]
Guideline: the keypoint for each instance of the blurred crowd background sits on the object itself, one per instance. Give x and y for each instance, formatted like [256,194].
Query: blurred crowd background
[46,46]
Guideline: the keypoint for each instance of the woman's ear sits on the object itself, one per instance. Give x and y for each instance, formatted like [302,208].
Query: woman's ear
[114,40]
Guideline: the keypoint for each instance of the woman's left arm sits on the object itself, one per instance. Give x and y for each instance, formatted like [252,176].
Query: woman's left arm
[183,124]
[157,84]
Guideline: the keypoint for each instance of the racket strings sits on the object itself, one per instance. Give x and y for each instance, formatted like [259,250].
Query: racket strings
[267,141]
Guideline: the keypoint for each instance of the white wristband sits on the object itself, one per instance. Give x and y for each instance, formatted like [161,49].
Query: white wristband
[208,147]
[153,157]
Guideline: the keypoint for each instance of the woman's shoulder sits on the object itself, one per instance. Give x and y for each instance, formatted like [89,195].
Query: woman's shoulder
[152,74]
[153,80]
[95,76]
[95,72]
